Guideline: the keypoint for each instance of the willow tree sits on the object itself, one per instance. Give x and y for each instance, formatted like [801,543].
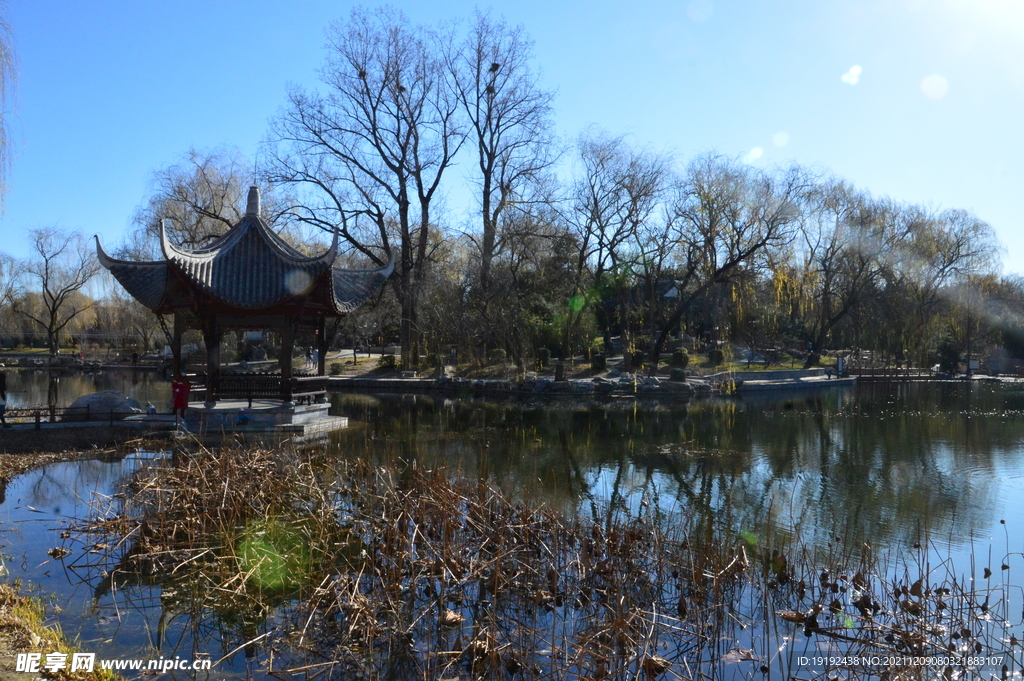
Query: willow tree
[199,198]
[841,242]
[937,255]
[726,217]
[8,73]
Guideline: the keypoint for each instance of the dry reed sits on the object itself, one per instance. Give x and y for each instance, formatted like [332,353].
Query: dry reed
[401,573]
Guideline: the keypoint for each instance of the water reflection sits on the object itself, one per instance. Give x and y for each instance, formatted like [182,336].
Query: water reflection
[888,464]
[40,387]
[35,505]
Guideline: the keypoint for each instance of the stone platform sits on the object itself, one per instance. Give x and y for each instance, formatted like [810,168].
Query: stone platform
[264,421]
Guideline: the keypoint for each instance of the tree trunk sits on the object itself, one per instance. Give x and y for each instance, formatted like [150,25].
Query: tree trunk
[285,360]
[487,247]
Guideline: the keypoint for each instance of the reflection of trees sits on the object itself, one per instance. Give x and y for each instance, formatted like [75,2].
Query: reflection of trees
[61,388]
[890,463]
[65,487]
[52,390]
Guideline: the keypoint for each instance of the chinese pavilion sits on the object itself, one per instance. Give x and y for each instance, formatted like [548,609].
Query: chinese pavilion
[248,279]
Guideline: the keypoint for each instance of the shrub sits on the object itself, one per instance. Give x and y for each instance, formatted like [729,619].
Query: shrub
[544,356]
[433,360]
[387,362]
[639,358]
[677,374]
[598,362]
[716,357]
[497,355]
[681,358]
[337,368]
[949,354]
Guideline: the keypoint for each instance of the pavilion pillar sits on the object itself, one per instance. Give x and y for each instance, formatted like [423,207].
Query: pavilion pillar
[287,343]
[176,367]
[211,336]
[321,347]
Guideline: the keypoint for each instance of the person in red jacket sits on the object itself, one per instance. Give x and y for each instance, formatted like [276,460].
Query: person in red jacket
[180,388]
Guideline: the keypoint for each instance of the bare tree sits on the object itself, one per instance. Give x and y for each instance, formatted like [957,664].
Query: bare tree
[62,263]
[125,318]
[509,118]
[615,206]
[371,153]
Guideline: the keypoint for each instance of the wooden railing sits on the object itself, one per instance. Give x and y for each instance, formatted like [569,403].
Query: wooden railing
[261,387]
[54,414]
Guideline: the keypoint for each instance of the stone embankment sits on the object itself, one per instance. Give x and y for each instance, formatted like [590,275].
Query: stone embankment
[59,437]
[615,384]
[621,384]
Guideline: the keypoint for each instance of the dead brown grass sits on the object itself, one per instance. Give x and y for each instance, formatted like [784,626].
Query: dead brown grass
[401,573]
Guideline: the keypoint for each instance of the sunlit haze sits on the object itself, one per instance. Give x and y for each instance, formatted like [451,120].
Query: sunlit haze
[920,100]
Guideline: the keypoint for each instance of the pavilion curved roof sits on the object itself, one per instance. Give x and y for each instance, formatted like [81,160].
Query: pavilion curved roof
[249,269]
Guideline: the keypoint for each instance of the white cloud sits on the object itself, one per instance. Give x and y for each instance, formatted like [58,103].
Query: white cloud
[852,76]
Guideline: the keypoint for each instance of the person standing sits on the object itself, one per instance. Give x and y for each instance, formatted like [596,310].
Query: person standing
[180,387]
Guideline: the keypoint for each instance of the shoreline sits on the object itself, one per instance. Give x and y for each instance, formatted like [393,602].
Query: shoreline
[14,464]
[23,629]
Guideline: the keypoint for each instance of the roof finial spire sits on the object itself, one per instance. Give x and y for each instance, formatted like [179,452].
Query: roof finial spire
[252,203]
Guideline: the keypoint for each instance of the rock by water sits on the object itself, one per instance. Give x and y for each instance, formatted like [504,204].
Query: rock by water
[103,405]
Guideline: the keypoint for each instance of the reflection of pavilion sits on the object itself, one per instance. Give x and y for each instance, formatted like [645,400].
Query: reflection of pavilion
[248,279]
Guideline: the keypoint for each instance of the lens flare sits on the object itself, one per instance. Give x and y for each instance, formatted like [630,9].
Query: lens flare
[780,139]
[934,86]
[297,282]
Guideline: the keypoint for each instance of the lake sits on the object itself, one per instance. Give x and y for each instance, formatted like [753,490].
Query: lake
[40,387]
[895,466]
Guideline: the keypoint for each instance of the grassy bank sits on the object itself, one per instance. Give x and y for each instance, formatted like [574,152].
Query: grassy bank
[23,629]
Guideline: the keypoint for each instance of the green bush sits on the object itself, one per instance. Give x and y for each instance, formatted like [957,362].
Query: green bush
[680,358]
[544,356]
[677,374]
[337,368]
[716,357]
[598,362]
[433,360]
[497,355]
[387,362]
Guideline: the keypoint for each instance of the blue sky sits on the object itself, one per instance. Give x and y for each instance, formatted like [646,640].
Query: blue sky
[920,100]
